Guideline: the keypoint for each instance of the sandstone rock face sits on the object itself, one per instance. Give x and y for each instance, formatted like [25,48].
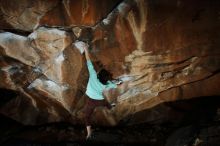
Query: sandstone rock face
[25,15]
[18,47]
[28,15]
[163,51]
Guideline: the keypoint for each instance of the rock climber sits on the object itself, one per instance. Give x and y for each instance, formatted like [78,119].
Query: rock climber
[97,84]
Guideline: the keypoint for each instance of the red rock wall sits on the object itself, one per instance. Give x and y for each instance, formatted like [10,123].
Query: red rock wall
[163,50]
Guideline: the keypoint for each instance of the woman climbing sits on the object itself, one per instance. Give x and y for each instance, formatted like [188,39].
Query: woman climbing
[98,82]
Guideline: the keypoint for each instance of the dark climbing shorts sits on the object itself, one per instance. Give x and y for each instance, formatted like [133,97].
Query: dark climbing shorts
[90,107]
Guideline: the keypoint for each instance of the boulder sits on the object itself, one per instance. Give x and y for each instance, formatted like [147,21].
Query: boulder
[163,51]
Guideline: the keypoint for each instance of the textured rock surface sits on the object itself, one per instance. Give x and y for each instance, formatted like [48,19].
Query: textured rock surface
[187,123]
[25,14]
[164,51]
[30,14]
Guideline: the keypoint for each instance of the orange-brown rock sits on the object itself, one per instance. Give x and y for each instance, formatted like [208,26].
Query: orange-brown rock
[25,14]
[28,15]
[163,51]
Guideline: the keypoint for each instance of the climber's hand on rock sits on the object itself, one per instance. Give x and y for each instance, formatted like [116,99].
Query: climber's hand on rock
[86,48]
[117,81]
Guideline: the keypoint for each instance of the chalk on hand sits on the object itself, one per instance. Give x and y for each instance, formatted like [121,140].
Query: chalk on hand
[117,81]
[80,46]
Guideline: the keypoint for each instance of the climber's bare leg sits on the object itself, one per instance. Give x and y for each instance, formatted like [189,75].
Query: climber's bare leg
[89,131]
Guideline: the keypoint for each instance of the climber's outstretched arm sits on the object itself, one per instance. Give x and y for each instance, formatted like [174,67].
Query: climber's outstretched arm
[90,66]
[87,53]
